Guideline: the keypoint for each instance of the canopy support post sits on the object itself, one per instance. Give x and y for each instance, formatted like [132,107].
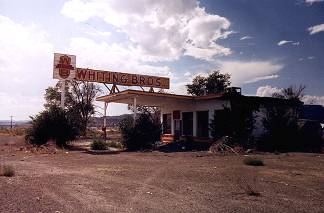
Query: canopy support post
[104,128]
[134,108]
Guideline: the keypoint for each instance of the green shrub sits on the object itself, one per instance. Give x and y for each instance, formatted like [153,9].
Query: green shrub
[51,124]
[99,145]
[7,170]
[143,134]
[253,161]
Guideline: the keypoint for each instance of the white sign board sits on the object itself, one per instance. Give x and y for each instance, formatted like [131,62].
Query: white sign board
[64,66]
[65,69]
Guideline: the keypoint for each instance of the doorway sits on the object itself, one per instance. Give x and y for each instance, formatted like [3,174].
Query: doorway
[202,124]
[187,123]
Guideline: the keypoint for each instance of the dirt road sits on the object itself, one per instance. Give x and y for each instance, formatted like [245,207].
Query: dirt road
[160,182]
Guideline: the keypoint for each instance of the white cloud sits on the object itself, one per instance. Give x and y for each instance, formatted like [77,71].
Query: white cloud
[187,74]
[26,68]
[159,30]
[316,29]
[96,32]
[316,100]
[311,57]
[283,42]
[243,72]
[246,37]
[313,1]
[267,77]
[268,91]
[101,55]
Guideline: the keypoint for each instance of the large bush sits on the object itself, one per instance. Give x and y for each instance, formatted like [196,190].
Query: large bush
[143,134]
[284,132]
[99,145]
[51,124]
[236,121]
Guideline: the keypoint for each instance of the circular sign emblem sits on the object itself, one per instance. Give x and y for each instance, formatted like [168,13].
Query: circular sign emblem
[64,66]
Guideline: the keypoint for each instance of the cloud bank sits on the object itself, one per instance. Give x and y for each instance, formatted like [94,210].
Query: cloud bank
[159,30]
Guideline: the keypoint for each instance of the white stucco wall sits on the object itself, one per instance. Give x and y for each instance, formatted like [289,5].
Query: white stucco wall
[194,106]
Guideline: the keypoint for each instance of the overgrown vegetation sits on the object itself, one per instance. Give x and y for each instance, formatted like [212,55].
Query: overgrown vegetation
[253,161]
[51,124]
[99,144]
[7,170]
[78,102]
[236,121]
[142,134]
[115,144]
[284,131]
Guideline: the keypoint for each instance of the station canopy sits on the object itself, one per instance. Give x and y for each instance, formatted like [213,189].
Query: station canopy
[156,99]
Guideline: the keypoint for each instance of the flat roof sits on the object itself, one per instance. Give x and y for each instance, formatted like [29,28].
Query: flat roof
[157,94]
[152,98]
[164,99]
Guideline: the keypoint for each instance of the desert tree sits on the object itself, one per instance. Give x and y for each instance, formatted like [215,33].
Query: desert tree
[79,104]
[215,82]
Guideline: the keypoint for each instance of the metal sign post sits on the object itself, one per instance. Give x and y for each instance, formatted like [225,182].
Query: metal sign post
[62,94]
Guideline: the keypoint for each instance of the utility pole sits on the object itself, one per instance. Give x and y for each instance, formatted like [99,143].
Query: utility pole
[11,122]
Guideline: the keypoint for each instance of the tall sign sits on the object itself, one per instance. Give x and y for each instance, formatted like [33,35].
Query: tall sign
[65,69]
[64,66]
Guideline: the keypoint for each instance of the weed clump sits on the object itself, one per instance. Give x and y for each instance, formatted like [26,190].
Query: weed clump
[115,144]
[99,145]
[253,161]
[7,170]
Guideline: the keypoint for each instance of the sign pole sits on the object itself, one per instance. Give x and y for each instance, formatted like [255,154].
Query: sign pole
[62,94]
[105,120]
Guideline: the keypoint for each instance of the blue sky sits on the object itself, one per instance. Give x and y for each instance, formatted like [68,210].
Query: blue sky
[265,45]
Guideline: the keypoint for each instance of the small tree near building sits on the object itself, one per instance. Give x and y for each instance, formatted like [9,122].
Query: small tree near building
[215,82]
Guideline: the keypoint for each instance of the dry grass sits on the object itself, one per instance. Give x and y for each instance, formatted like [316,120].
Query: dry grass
[249,186]
[253,161]
[7,170]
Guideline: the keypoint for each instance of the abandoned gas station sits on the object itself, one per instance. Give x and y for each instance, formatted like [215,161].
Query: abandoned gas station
[181,115]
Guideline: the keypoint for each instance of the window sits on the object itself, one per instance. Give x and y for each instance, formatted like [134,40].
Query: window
[187,121]
[166,123]
[202,124]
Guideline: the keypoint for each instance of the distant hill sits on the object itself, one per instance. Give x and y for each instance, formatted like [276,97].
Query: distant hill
[112,121]
[4,123]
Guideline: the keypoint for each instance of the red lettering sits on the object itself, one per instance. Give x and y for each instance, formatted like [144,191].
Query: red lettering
[134,79]
[100,76]
[81,74]
[115,78]
[150,80]
[158,82]
[142,80]
[123,78]
[92,75]
[107,77]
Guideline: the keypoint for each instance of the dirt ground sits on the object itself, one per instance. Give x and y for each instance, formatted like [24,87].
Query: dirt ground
[75,181]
